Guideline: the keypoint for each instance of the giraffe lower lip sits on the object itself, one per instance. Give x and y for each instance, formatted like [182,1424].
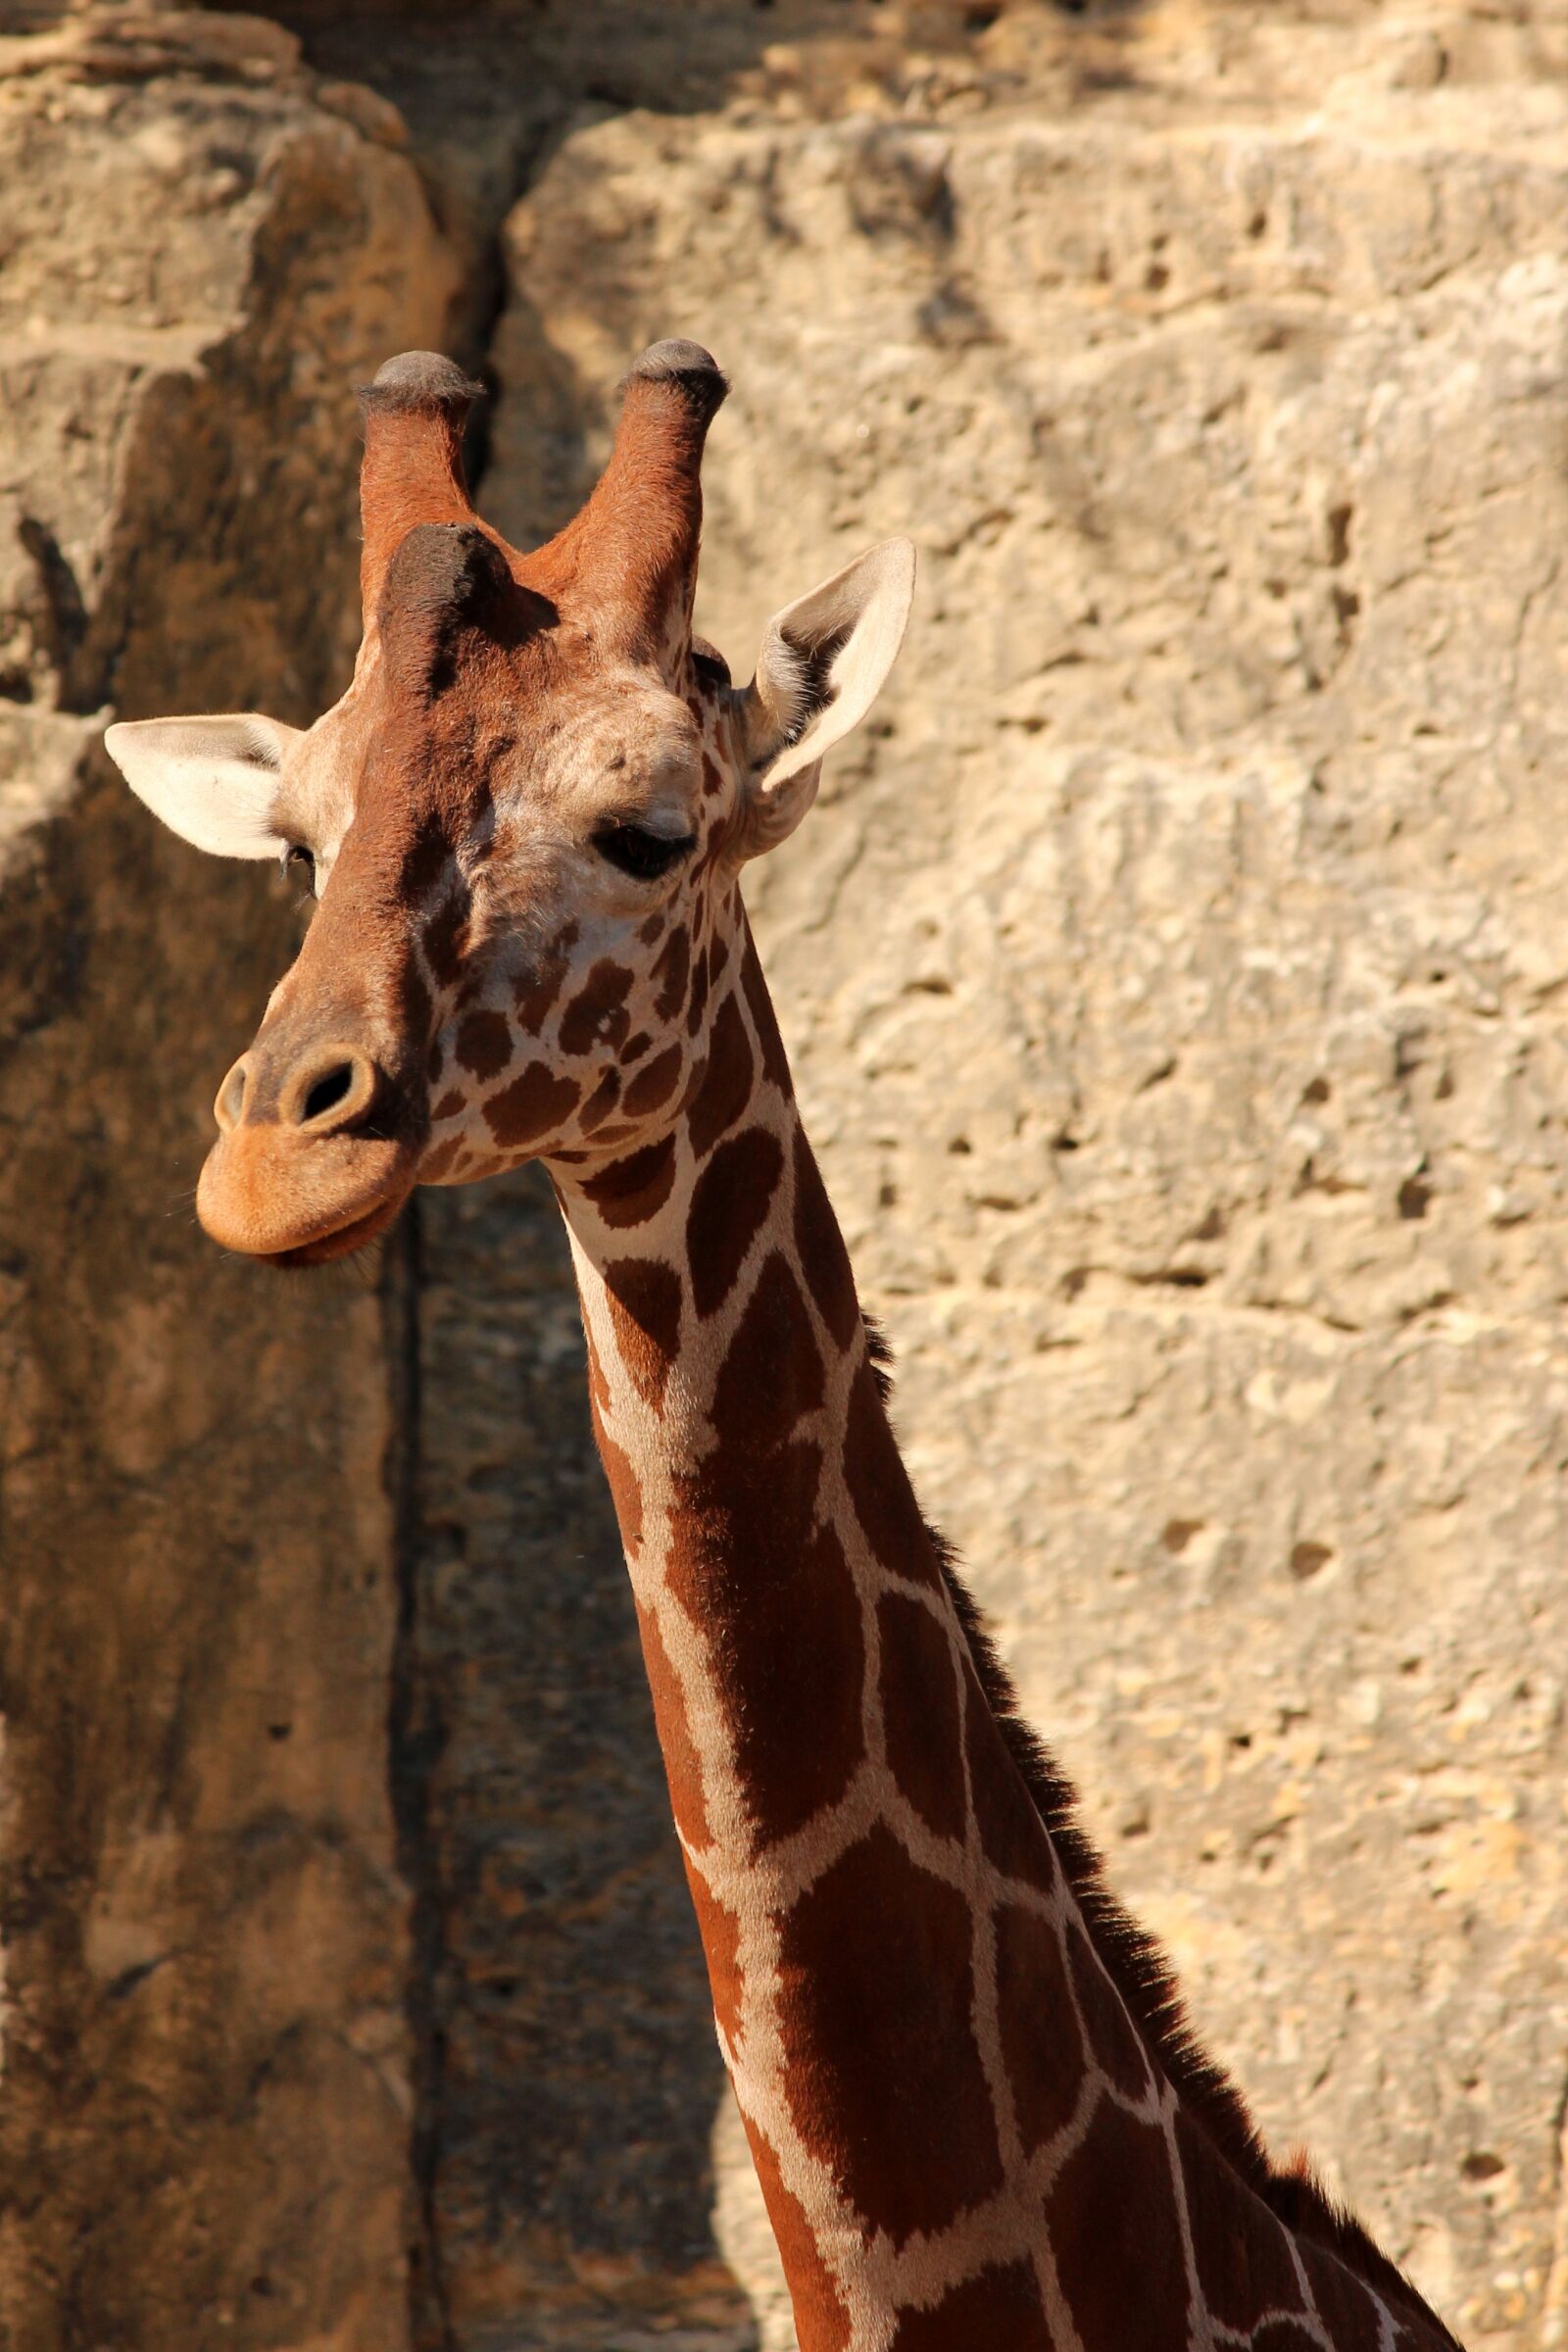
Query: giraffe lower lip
[343,1242]
[270,1194]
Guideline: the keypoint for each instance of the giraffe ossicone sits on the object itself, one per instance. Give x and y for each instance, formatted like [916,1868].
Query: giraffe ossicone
[979,2123]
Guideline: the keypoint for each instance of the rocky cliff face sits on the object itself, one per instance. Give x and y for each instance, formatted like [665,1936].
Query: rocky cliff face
[1174,984]
[1175,981]
[207,2063]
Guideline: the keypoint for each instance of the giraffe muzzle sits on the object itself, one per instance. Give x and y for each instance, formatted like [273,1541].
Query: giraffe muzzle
[315,1155]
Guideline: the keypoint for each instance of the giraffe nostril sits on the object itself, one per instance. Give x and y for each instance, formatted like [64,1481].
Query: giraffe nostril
[328,1090]
[229,1108]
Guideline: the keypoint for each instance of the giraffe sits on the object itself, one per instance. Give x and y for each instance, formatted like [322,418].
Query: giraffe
[979,2119]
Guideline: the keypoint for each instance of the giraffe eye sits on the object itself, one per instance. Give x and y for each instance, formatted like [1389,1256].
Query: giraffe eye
[297,856]
[645,855]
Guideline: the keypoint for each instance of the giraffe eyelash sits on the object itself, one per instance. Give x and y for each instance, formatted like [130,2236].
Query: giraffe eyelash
[643,854]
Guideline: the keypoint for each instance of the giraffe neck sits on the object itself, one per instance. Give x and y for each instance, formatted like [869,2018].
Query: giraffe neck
[963,2136]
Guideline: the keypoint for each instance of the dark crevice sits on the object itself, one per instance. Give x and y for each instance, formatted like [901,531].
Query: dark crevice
[418,1731]
[62,618]
[416,1736]
[485,298]
[1413,1195]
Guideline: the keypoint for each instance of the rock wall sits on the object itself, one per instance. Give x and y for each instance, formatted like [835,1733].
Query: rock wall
[1175,980]
[207,2062]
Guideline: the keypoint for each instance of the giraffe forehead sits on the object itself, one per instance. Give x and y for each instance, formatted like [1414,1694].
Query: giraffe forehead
[631,736]
[557,753]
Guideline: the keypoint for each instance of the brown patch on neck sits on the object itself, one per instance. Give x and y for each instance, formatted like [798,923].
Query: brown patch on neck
[624,1490]
[1000,2308]
[1342,2302]
[877,2009]
[880,1490]
[1044,2060]
[1243,2272]
[644,1296]
[484,1044]
[821,2321]
[536,1101]
[1011,1830]
[720,1932]
[727,1084]
[631,1191]
[775,1062]
[1112,2218]
[597,1013]
[1117,2050]
[682,1769]
[920,1716]
[730,1204]
[771,1587]
[824,1261]
[600,1104]
[652,1086]
[441,1161]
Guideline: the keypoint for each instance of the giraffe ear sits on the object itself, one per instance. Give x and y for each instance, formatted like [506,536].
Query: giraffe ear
[823,666]
[213,780]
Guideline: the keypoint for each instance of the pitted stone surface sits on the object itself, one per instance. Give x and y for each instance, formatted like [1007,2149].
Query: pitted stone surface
[1176,992]
[206,2066]
[1176,987]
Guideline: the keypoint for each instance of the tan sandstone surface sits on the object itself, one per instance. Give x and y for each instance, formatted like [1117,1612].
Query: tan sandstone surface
[207,2062]
[1176,977]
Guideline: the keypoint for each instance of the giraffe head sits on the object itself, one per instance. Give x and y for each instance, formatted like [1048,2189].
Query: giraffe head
[523,823]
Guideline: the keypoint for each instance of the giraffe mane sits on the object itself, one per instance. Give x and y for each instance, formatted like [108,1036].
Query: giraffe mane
[1141,1970]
